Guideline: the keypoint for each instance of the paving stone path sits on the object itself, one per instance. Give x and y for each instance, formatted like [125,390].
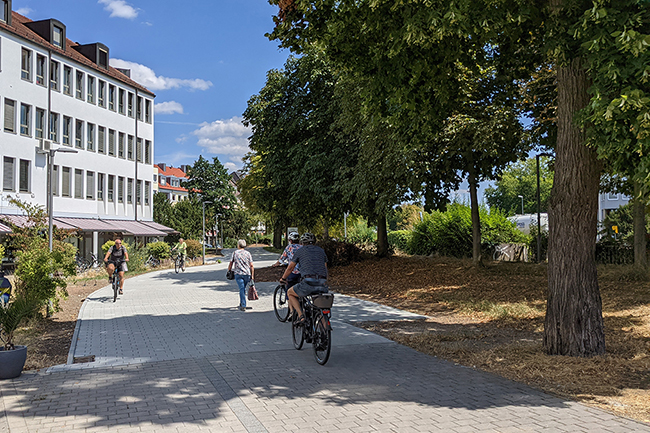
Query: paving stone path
[174,354]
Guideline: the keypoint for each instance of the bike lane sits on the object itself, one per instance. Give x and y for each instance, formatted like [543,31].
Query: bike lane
[175,354]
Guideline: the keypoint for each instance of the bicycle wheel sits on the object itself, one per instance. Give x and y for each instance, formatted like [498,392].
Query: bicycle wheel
[116,286]
[183,265]
[322,340]
[281,303]
[177,265]
[298,333]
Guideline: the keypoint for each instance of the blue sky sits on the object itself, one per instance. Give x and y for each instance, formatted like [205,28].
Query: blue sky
[202,58]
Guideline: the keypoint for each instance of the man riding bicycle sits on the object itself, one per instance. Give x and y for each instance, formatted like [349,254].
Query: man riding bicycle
[181,247]
[117,255]
[287,255]
[313,267]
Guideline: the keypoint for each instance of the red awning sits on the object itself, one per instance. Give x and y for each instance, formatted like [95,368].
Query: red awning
[134,228]
[87,224]
[159,227]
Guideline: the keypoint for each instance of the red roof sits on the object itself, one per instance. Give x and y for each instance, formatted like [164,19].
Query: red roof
[19,28]
[171,188]
[172,171]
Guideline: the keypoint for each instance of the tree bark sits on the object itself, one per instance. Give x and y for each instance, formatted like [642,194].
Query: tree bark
[640,240]
[326,229]
[574,321]
[278,230]
[382,237]
[476,219]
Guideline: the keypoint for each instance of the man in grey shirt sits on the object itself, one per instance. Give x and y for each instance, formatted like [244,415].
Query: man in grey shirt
[313,270]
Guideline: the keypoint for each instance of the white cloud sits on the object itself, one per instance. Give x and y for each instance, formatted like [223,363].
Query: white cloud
[176,158]
[169,107]
[148,78]
[231,166]
[119,9]
[182,139]
[24,11]
[224,137]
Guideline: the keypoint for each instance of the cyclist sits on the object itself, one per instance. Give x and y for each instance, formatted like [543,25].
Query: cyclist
[313,268]
[286,257]
[117,254]
[181,247]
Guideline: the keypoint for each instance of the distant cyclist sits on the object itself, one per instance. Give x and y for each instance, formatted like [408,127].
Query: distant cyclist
[287,255]
[117,255]
[313,267]
[181,247]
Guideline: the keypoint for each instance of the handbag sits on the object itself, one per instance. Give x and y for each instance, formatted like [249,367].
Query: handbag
[230,275]
[252,293]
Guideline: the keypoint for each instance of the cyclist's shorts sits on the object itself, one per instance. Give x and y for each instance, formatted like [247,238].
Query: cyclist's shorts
[122,268]
[292,280]
[309,286]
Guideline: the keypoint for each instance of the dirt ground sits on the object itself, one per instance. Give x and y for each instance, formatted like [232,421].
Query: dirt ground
[489,318]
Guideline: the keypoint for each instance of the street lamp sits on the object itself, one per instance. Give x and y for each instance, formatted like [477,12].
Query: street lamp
[203,238]
[522,203]
[539,217]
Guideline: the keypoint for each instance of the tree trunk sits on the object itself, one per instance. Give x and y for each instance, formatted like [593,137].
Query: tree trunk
[640,254]
[574,320]
[326,229]
[278,230]
[476,219]
[382,237]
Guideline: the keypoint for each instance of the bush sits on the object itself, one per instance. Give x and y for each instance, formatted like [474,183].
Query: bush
[194,248]
[359,233]
[160,250]
[449,233]
[340,253]
[532,244]
[137,258]
[399,239]
[109,244]
[229,243]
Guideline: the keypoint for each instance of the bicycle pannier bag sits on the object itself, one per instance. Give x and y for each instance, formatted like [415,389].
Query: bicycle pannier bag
[323,300]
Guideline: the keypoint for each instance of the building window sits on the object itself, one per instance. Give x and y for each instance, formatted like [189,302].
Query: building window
[57,37]
[147,152]
[101,93]
[26,65]
[111,97]
[54,127]
[120,189]
[67,80]
[611,196]
[138,192]
[130,105]
[90,143]
[91,89]
[103,58]
[78,183]
[147,111]
[25,119]
[39,123]
[120,102]
[111,142]
[40,69]
[67,130]
[79,134]
[54,75]
[8,174]
[101,139]
[65,181]
[80,85]
[55,179]
[111,188]
[130,148]
[100,186]
[23,176]
[129,191]
[139,150]
[90,185]
[120,145]
[147,193]
[138,108]
[5,12]
[10,115]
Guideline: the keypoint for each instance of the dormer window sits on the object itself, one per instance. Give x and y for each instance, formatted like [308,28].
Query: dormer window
[5,11]
[103,58]
[57,36]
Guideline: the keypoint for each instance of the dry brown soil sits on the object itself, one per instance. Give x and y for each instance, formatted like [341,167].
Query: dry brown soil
[490,318]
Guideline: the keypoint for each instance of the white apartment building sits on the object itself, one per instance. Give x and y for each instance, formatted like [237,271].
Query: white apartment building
[61,94]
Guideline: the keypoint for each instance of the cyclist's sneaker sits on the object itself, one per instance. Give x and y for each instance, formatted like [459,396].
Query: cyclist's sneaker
[121,292]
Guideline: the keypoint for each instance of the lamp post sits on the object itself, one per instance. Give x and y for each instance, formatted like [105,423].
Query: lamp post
[203,238]
[539,216]
[522,203]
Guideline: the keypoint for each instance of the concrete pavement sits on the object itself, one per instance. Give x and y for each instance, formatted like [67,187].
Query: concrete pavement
[174,354]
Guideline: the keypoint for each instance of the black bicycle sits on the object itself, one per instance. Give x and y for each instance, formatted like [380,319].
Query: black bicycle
[115,280]
[179,263]
[152,262]
[281,303]
[316,329]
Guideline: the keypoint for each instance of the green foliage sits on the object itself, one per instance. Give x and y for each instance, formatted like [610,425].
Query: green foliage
[159,250]
[623,219]
[13,314]
[137,257]
[518,179]
[449,233]
[194,248]
[2,251]
[532,244]
[210,182]
[360,234]
[404,217]
[230,243]
[108,244]
[399,239]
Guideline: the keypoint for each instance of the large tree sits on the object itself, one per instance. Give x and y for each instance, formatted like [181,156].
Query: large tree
[411,51]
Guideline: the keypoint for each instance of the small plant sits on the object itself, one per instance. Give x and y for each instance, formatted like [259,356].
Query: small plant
[194,248]
[12,315]
[159,250]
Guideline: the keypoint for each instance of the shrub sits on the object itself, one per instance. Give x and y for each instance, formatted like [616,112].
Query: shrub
[399,239]
[359,233]
[340,253]
[194,248]
[137,258]
[449,233]
[109,244]
[229,243]
[160,250]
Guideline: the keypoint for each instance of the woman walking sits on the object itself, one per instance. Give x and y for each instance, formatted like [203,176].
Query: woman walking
[242,264]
